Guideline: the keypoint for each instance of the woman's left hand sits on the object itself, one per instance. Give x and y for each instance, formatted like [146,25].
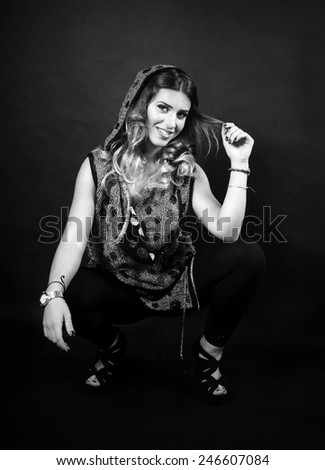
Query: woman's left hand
[238,144]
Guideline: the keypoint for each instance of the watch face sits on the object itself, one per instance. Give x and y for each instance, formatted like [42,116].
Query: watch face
[44,299]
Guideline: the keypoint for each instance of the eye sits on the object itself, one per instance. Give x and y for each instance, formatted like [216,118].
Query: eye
[182,115]
[162,107]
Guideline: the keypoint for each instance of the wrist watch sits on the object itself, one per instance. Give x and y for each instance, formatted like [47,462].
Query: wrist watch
[47,296]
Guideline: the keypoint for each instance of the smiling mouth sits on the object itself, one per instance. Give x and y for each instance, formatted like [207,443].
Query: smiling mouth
[165,134]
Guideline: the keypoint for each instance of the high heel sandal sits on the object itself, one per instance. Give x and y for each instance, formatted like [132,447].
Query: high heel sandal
[204,367]
[112,359]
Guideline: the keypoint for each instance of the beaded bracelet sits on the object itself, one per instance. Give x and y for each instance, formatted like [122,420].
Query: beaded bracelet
[242,187]
[61,281]
[248,172]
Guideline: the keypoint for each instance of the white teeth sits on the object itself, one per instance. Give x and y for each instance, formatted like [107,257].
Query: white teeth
[163,132]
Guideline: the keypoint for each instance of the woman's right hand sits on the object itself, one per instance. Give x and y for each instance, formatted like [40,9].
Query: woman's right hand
[69,254]
[55,314]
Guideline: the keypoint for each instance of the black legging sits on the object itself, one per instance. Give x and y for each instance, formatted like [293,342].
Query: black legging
[226,276]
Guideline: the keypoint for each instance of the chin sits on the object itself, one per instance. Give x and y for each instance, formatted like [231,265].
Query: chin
[159,143]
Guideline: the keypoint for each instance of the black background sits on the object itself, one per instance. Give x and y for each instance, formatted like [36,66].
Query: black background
[66,67]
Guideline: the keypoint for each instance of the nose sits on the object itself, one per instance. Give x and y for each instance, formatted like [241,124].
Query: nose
[170,121]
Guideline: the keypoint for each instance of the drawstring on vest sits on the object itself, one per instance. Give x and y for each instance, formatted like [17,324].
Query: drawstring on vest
[185,294]
[181,355]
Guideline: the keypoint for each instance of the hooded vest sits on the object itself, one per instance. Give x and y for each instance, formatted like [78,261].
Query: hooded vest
[146,246]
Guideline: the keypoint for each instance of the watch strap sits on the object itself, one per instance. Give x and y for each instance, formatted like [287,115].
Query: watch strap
[54,293]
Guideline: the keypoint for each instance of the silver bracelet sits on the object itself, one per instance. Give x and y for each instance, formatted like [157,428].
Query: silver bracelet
[242,187]
[61,281]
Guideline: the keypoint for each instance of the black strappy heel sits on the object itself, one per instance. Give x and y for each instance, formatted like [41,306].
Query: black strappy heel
[112,359]
[204,367]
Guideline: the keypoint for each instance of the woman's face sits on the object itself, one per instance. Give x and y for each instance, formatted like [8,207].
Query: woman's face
[166,116]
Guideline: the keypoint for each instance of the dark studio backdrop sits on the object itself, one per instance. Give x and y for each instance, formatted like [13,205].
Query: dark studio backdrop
[66,68]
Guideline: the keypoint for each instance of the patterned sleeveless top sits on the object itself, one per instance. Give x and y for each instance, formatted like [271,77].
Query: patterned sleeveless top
[145,246]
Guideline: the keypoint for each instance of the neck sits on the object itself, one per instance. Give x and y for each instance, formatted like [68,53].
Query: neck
[151,151]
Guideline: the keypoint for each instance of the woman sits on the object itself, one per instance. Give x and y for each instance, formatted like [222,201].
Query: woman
[130,207]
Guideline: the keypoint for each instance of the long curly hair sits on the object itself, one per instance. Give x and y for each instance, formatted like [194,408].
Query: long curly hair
[197,139]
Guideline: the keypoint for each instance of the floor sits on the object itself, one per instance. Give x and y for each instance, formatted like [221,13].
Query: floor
[278,393]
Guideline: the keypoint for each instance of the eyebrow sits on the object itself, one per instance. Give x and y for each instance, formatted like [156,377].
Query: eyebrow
[170,107]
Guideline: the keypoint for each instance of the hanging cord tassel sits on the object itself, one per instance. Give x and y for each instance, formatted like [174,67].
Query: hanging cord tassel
[127,216]
[181,355]
[181,351]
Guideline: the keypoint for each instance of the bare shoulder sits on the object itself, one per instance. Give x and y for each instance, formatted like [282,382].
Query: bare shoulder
[85,169]
[85,186]
[85,173]
[201,177]
[83,202]
[203,198]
